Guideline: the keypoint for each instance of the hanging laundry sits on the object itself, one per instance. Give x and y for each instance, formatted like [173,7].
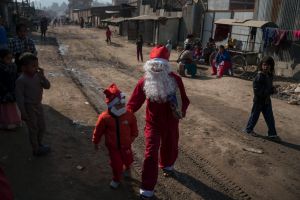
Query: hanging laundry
[280,37]
[296,34]
[269,35]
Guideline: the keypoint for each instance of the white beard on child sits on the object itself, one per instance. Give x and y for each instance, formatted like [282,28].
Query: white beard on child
[118,112]
[158,83]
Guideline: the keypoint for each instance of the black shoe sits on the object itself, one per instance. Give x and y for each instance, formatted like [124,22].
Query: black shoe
[42,151]
[168,173]
[275,138]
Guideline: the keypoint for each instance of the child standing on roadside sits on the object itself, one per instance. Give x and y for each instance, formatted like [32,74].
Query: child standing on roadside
[10,117]
[108,35]
[29,94]
[120,130]
[263,89]
[139,48]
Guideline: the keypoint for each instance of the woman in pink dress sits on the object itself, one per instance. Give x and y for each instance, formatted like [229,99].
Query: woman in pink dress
[9,112]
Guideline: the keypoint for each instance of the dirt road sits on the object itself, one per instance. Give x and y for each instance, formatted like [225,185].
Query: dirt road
[212,163]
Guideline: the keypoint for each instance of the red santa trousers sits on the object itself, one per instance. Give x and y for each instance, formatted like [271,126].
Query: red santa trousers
[118,159]
[165,140]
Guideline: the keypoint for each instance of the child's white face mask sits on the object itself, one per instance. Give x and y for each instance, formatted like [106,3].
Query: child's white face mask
[118,112]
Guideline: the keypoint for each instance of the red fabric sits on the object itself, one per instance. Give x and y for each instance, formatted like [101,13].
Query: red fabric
[160,52]
[223,67]
[297,34]
[5,190]
[161,131]
[214,70]
[111,93]
[280,37]
[119,159]
[9,114]
[108,33]
[106,125]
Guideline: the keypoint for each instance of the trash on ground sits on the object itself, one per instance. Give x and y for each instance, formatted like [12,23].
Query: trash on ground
[79,167]
[253,150]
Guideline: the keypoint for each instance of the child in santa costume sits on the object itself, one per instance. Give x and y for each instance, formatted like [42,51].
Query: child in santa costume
[167,102]
[120,129]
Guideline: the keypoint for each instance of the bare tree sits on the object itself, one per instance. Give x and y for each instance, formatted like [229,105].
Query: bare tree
[80,4]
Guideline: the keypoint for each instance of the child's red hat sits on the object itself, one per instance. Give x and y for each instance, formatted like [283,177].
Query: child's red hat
[113,95]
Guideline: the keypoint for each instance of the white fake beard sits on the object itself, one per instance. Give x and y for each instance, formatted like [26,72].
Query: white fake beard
[117,112]
[158,84]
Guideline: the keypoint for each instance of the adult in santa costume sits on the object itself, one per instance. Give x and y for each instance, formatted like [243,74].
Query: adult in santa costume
[167,102]
[120,129]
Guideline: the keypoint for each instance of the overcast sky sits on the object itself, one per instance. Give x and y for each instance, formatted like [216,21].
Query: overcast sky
[49,2]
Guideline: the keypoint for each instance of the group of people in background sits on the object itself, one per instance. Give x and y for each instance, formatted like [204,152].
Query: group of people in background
[21,88]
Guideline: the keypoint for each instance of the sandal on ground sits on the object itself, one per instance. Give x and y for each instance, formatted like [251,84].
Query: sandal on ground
[146,194]
[114,184]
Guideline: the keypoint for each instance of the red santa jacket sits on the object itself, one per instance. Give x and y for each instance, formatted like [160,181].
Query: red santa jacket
[119,132]
[158,115]
[5,190]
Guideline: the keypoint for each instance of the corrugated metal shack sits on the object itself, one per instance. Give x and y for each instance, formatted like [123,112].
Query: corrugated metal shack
[227,9]
[94,15]
[154,29]
[119,25]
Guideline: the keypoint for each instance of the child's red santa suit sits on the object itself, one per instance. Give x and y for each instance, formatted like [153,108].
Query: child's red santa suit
[119,128]
[167,102]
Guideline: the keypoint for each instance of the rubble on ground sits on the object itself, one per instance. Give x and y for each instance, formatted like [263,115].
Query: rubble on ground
[289,92]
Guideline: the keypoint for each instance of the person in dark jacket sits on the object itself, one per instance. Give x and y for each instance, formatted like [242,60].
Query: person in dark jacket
[263,89]
[139,48]
[9,113]
[44,27]
[3,35]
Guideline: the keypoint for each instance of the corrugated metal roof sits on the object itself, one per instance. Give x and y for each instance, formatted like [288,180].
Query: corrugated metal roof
[151,17]
[112,11]
[114,20]
[247,23]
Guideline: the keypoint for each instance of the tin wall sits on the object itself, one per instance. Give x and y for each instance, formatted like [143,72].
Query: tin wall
[286,14]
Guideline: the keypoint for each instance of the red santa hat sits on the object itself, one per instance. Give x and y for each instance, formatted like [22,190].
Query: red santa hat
[160,52]
[113,95]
